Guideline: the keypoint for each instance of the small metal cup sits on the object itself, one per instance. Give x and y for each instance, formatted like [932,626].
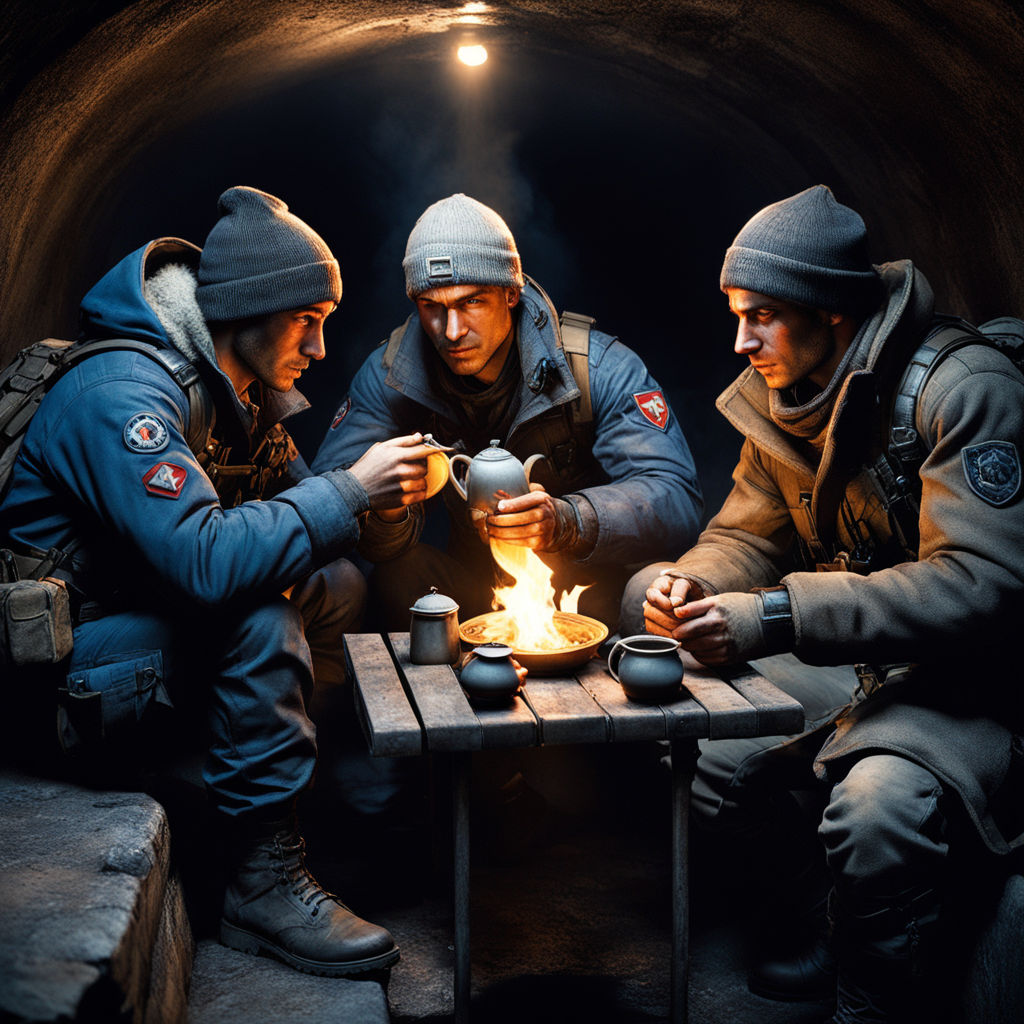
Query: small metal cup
[434,630]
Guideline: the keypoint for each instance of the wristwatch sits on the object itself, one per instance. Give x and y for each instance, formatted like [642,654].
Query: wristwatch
[776,619]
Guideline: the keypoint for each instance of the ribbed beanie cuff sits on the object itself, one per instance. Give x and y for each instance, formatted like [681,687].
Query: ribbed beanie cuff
[259,258]
[459,241]
[808,249]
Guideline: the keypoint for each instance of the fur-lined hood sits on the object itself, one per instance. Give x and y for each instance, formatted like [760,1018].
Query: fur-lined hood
[151,296]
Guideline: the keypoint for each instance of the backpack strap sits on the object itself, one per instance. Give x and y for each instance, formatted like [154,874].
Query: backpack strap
[574,337]
[201,414]
[906,448]
[897,469]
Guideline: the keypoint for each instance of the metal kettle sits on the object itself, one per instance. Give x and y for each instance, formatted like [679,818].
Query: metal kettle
[494,469]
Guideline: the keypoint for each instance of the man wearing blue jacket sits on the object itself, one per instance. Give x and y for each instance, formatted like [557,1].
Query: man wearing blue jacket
[484,358]
[207,576]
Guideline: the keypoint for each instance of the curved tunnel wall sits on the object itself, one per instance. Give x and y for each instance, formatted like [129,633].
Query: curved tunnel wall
[912,112]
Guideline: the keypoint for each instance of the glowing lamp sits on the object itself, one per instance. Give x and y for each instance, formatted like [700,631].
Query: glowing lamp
[474,56]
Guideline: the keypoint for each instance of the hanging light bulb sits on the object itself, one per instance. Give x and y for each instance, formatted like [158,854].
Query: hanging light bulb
[473,55]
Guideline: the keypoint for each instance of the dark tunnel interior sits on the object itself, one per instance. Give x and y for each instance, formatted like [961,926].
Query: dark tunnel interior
[625,144]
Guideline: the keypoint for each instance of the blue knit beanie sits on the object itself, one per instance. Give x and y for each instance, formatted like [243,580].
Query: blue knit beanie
[460,241]
[808,249]
[259,258]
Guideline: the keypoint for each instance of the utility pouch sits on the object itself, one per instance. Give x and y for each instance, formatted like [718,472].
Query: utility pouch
[35,622]
[106,702]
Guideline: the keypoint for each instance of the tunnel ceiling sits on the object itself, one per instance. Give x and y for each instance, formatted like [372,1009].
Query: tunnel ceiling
[914,110]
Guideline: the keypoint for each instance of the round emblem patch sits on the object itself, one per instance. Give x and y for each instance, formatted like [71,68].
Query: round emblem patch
[145,432]
[993,471]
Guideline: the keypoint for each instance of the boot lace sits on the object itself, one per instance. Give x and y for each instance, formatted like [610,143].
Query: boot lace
[291,857]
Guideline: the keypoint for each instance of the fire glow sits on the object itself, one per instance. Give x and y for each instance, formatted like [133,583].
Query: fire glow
[529,621]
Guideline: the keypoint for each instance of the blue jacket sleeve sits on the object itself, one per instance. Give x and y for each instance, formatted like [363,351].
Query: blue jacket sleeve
[652,505]
[163,505]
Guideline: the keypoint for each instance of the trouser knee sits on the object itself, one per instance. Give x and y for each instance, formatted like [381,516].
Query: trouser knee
[631,617]
[884,830]
[331,601]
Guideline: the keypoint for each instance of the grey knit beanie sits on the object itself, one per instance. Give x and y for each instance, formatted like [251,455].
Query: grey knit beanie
[808,249]
[261,259]
[460,241]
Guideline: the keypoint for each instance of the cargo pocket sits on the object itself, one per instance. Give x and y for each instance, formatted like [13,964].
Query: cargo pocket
[106,702]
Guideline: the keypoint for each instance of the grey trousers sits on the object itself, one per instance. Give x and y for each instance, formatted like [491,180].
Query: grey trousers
[883,827]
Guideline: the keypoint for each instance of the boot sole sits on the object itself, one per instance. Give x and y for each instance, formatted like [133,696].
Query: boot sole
[249,942]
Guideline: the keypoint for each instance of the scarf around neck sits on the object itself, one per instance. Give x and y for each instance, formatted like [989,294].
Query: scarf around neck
[808,419]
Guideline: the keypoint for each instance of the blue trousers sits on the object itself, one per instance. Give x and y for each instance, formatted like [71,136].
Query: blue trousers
[242,678]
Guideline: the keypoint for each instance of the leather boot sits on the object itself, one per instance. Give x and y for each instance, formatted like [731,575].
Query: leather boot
[275,907]
[808,975]
[882,958]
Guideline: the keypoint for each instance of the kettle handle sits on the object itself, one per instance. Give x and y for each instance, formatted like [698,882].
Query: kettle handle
[528,464]
[452,459]
[613,660]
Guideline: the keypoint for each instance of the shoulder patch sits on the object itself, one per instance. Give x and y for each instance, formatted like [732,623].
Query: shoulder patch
[165,480]
[145,432]
[993,471]
[341,413]
[653,407]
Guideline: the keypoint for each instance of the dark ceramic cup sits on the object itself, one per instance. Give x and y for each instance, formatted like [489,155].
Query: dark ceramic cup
[647,667]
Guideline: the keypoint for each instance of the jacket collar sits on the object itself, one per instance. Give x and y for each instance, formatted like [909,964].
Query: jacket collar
[898,327]
[538,337]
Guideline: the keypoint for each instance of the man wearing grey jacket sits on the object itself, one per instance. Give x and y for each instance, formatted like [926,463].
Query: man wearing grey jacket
[814,553]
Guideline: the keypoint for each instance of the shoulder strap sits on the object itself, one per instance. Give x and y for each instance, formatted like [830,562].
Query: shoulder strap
[394,343]
[896,469]
[575,342]
[201,413]
[905,445]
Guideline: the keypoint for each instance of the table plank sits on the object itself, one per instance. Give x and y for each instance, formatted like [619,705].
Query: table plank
[628,720]
[449,723]
[778,714]
[388,720]
[731,714]
[565,711]
[514,726]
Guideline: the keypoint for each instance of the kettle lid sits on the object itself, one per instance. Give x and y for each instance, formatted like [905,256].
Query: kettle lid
[434,604]
[494,452]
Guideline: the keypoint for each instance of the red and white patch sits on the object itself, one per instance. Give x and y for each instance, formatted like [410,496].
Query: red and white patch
[341,413]
[654,407]
[165,479]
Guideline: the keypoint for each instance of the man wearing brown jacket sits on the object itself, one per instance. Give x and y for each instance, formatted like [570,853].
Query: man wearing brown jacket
[921,591]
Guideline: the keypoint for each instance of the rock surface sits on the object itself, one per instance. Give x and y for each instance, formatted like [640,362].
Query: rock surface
[90,929]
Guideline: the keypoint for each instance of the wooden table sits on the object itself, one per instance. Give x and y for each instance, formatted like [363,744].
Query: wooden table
[410,709]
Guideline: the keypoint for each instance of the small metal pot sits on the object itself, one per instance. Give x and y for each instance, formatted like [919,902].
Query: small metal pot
[434,630]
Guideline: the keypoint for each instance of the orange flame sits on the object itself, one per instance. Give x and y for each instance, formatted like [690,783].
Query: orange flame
[529,604]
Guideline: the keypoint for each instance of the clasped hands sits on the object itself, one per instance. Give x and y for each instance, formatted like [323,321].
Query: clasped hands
[717,629]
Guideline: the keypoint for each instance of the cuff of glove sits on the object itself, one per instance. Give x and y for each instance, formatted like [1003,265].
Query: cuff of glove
[776,619]
[381,539]
[576,530]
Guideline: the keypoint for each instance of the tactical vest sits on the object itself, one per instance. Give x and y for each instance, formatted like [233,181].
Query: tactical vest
[36,368]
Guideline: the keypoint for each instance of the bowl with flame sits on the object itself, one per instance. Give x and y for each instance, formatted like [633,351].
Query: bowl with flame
[580,637]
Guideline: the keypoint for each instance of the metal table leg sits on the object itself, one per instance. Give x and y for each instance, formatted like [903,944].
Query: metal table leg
[460,789]
[684,764]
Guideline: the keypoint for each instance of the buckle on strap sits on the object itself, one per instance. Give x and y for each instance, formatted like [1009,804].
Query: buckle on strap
[869,678]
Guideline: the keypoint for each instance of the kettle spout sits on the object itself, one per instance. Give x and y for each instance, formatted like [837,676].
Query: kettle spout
[528,465]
